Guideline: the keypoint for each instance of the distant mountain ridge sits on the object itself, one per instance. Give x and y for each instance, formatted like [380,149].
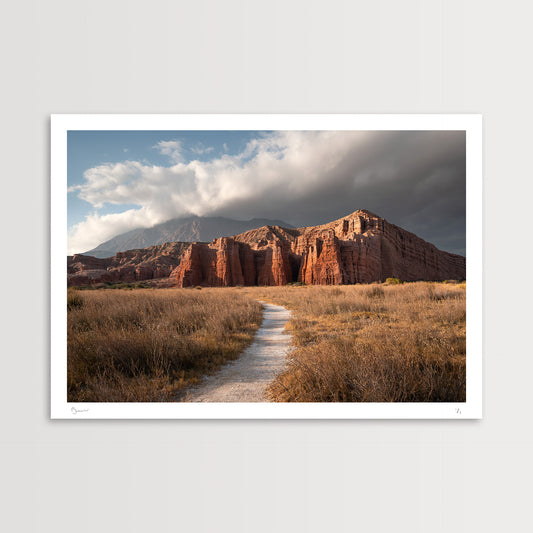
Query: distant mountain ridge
[357,248]
[188,229]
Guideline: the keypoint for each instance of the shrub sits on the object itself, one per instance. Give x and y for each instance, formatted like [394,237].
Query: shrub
[393,281]
[375,292]
[74,300]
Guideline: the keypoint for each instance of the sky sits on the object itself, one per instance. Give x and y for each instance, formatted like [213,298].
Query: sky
[122,180]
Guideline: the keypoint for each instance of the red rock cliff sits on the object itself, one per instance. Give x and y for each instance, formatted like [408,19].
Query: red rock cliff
[359,248]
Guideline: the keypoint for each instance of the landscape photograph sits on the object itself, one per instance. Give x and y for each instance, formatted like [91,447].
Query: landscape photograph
[266,266]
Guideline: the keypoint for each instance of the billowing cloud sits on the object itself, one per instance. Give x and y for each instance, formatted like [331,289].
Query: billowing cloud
[414,179]
[100,228]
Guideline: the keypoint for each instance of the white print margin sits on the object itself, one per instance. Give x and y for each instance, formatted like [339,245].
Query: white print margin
[471,409]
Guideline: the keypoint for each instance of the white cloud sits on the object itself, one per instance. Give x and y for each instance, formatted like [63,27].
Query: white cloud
[200,149]
[174,150]
[96,229]
[287,175]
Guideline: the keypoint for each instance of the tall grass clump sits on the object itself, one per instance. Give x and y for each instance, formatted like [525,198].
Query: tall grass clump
[74,300]
[147,345]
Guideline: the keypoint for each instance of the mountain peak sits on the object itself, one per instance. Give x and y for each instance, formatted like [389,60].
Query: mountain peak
[188,229]
[360,212]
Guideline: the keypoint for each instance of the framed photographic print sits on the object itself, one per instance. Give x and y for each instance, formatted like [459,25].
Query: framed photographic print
[266,266]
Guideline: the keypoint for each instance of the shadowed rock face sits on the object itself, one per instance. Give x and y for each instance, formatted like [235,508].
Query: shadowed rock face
[359,248]
[155,262]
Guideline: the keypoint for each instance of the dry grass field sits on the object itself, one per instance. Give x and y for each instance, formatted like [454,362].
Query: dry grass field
[373,343]
[357,343]
[146,345]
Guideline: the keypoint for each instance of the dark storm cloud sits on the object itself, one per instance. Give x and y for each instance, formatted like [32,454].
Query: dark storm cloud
[416,180]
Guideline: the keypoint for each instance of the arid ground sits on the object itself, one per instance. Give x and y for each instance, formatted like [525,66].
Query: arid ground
[381,342]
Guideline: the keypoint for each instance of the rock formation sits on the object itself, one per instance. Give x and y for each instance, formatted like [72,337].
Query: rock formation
[154,262]
[359,248]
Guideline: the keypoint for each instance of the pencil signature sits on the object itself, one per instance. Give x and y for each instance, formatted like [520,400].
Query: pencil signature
[75,411]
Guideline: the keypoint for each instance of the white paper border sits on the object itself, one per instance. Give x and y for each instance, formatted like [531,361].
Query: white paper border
[471,409]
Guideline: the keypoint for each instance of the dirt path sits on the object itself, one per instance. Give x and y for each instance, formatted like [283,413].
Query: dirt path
[246,379]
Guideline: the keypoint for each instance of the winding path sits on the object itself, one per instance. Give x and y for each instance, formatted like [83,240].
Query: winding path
[246,378]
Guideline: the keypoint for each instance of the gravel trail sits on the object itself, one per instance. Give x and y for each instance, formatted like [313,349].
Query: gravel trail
[246,378]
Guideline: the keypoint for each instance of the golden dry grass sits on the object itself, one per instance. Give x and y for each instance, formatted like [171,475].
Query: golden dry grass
[373,343]
[362,343]
[147,345]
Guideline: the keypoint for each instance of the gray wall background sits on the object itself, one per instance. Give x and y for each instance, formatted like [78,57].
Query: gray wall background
[277,56]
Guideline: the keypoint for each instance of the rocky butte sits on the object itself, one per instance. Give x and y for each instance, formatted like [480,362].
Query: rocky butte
[359,248]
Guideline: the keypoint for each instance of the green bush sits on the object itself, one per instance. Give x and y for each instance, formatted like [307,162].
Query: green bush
[393,281]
